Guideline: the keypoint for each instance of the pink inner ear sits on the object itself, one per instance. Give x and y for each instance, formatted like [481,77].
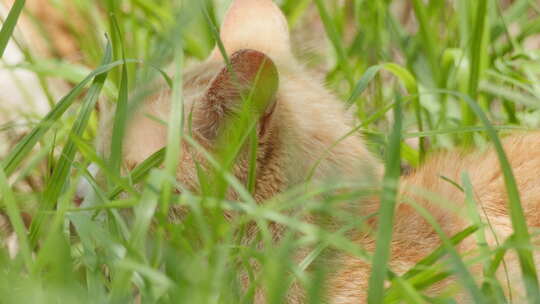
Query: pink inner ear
[251,74]
[255,24]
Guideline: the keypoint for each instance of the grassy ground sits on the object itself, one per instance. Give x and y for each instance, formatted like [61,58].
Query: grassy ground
[447,62]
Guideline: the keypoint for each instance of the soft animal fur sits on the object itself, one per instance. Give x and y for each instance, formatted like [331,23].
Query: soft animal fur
[304,121]
[300,120]
[414,238]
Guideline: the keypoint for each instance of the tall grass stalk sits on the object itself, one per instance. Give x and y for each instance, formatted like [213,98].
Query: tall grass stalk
[386,212]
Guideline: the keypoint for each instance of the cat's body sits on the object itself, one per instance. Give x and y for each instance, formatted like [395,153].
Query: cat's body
[298,126]
[414,238]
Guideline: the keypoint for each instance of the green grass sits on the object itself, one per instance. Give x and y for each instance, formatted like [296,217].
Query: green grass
[387,210]
[456,73]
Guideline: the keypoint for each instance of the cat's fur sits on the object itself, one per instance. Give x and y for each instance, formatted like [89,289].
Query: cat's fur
[306,120]
[298,127]
[414,238]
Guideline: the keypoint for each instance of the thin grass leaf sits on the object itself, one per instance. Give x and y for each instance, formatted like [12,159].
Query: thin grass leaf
[461,130]
[408,81]
[294,10]
[143,217]
[60,174]
[428,36]
[425,273]
[363,83]
[386,212]
[14,214]
[408,292]
[461,270]
[252,171]
[519,223]
[336,40]
[141,171]
[9,24]
[438,253]
[90,155]
[175,130]
[472,206]
[476,53]
[120,120]
[120,117]
[24,146]
[491,286]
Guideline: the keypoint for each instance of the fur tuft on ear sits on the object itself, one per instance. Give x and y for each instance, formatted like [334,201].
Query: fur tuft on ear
[249,84]
[255,24]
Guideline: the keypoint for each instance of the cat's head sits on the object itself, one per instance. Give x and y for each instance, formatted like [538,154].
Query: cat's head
[297,119]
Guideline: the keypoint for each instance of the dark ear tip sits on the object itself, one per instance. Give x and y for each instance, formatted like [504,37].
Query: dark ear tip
[249,62]
[248,54]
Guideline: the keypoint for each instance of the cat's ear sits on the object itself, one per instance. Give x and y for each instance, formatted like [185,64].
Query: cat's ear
[255,24]
[248,85]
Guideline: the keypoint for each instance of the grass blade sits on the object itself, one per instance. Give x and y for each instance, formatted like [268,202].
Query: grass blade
[60,174]
[407,80]
[9,24]
[141,171]
[476,52]
[386,211]
[24,146]
[120,117]
[461,270]
[519,223]
[14,214]
[175,131]
[336,40]
[427,35]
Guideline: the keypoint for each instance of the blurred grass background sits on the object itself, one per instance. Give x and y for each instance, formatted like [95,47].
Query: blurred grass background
[369,52]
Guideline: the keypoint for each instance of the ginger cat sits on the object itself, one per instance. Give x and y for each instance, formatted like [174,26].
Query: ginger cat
[299,121]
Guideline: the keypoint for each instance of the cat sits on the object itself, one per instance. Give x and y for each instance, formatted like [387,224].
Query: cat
[299,126]
[299,120]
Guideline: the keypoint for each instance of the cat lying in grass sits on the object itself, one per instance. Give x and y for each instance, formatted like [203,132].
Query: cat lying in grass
[298,130]
[299,120]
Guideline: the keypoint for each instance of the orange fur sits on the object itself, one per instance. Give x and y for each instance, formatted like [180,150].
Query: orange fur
[414,238]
